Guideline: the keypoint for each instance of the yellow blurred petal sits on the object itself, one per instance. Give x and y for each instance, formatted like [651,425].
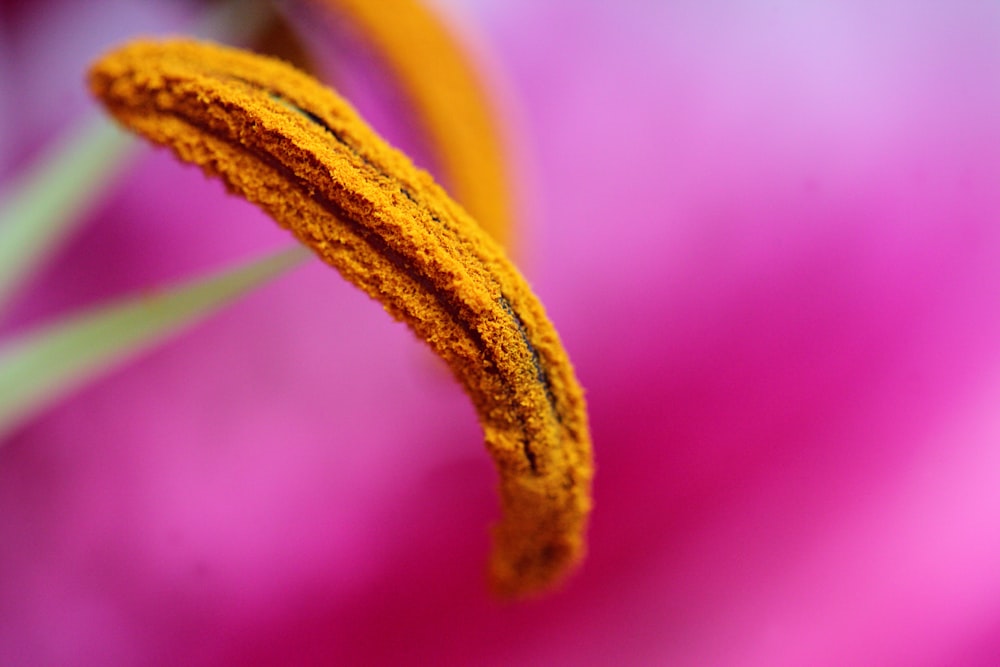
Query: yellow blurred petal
[453,102]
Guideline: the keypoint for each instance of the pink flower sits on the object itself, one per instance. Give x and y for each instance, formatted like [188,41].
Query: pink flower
[768,234]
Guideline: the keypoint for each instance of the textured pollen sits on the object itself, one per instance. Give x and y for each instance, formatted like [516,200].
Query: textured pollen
[297,150]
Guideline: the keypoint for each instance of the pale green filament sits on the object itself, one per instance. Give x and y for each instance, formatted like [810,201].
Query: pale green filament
[41,367]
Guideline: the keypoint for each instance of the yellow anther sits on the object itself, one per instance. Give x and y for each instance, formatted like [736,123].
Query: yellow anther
[300,152]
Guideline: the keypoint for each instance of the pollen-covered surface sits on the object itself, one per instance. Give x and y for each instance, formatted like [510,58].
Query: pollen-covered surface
[299,151]
[450,98]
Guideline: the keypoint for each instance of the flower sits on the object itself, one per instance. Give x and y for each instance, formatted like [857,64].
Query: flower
[766,233]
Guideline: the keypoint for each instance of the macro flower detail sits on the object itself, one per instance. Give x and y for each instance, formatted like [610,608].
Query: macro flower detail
[767,233]
[296,149]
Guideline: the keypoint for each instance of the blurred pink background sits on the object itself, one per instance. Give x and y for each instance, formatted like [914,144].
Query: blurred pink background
[768,235]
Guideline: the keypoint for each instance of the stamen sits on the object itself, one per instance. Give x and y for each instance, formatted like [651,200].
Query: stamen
[300,152]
